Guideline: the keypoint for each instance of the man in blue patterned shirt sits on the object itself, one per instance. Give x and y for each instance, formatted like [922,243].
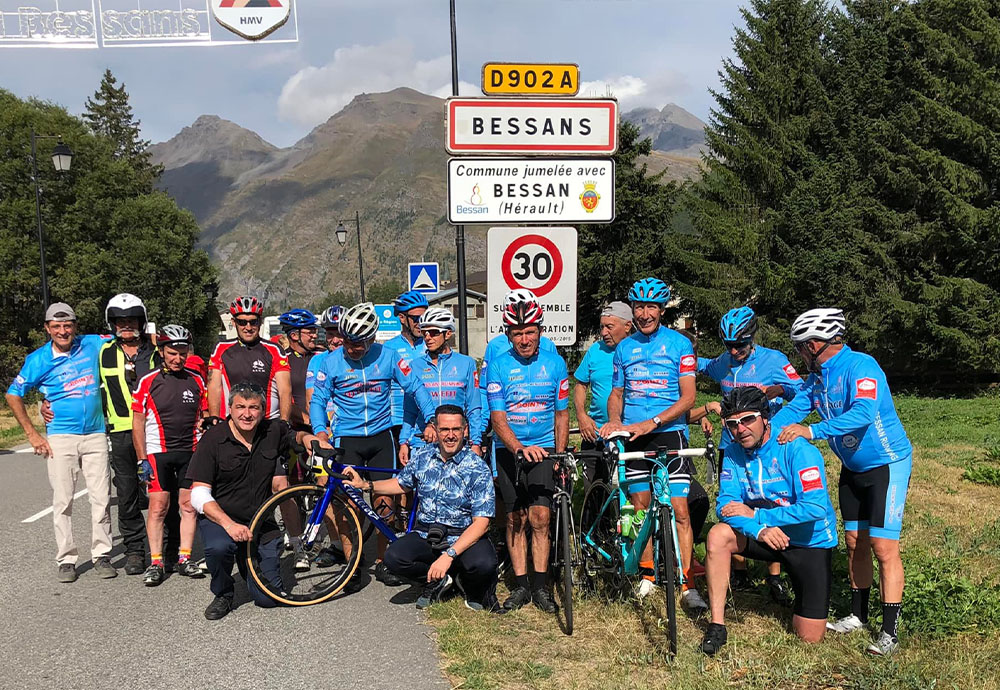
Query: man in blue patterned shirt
[453,515]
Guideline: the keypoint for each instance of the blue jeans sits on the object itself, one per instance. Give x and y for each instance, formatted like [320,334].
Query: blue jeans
[220,553]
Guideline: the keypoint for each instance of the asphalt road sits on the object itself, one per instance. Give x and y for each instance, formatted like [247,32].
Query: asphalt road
[117,633]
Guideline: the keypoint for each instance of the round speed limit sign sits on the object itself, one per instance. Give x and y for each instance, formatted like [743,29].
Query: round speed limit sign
[533,262]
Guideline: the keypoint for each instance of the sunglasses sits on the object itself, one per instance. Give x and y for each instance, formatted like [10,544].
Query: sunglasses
[737,344]
[745,420]
[247,387]
[247,322]
[431,333]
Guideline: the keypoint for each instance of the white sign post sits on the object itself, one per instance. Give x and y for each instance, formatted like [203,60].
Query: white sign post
[542,260]
[531,190]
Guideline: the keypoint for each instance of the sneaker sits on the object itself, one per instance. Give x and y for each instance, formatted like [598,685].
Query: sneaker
[740,580]
[328,557]
[135,564]
[389,578]
[542,599]
[847,624]
[104,569]
[153,575]
[646,587]
[692,601]
[518,598]
[219,608]
[885,645]
[67,572]
[433,591]
[715,638]
[189,569]
[779,591]
[489,604]
[301,560]
[203,566]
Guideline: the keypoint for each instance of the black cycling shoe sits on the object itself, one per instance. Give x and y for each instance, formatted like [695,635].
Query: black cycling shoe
[433,591]
[187,568]
[153,575]
[779,592]
[518,598]
[740,580]
[715,638]
[328,557]
[219,608]
[135,564]
[542,598]
[386,576]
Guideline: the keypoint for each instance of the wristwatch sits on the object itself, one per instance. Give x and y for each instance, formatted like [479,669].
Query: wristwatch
[451,552]
[658,421]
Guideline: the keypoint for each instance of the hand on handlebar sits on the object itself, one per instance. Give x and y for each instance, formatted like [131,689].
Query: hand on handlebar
[404,453]
[533,453]
[355,479]
[706,426]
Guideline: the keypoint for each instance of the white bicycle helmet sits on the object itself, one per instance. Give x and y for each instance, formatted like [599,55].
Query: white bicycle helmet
[172,334]
[123,306]
[519,296]
[818,324]
[438,317]
[359,322]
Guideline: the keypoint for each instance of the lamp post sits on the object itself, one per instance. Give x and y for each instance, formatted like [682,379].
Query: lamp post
[62,157]
[463,300]
[342,240]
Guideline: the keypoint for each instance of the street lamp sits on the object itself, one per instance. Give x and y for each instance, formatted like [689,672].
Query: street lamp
[341,233]
[62,157]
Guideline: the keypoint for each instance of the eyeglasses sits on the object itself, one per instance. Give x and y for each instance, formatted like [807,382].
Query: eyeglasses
[746,420]
[247,322]
[247,387]
[431,333]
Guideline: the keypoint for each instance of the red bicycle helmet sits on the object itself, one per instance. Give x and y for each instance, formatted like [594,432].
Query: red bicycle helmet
[526,313]
[246,305]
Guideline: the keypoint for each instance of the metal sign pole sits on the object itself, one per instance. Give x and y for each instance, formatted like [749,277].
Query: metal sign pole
[463,307]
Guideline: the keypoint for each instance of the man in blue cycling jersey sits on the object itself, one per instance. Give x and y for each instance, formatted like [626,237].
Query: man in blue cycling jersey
[774,506]
[450,377]
[357,378]
[408,345]
[652,392]
[528,393]
[850,392]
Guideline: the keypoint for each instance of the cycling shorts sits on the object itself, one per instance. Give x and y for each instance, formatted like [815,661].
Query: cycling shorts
[873,501]
[809,569]
[370,451]
[169,471]
[532,486]
[681,469]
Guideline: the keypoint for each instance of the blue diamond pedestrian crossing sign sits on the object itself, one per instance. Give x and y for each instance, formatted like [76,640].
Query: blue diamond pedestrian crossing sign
[424,277]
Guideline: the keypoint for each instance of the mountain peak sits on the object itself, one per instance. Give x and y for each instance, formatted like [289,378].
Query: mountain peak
[672,129]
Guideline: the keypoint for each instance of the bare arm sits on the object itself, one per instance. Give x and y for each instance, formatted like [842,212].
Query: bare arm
[588,429]
[562,430]
[214,393]
[139,435]
[284,381]
[383,487]
[615,406]
[36,440]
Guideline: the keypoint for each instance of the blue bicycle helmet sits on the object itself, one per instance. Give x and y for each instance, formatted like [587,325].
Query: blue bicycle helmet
[409,300]
[649,290]
[331,317]
[296,319]
[738,325]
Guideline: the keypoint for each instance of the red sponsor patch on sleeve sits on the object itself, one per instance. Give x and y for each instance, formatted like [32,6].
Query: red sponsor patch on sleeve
[866,388]
[475,377]
[689,364]
[810,479]
[791,373]
[404,366]
[564,389]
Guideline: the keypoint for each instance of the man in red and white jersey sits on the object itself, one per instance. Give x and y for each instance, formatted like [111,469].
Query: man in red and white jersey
[168,407]
[250,359]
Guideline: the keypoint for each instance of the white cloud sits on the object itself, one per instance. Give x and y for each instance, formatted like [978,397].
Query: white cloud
[313,94]
[632,91]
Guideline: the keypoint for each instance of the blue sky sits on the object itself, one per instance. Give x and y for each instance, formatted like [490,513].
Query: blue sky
[650,52]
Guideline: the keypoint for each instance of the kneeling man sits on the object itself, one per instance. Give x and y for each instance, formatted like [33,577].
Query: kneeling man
[774,506]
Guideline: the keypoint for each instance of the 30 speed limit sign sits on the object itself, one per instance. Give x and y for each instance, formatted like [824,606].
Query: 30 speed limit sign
[542,260]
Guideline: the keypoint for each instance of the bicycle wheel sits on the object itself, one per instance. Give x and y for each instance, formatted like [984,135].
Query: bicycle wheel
[268,535]
[563,559]
[598,532]
[665,574]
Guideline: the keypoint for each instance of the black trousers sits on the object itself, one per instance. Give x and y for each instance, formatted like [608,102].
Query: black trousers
[221,552]
[131,524]
[411,556]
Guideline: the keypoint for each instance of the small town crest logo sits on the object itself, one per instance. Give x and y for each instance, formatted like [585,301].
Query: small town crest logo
[590,198]
[251,19]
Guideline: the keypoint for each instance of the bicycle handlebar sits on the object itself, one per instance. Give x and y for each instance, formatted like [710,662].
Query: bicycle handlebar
[327,456]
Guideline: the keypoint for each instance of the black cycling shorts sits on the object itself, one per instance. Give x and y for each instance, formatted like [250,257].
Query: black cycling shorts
[810,570]
[534,485]
[873,501]
[681,469]
[169,471]
[370,451]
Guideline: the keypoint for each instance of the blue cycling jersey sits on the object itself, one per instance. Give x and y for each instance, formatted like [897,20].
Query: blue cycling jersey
[453,380]
[649,369]
[763,367]
[69,382]
[860,422]
[360,390]
[500,345]
[595,370]
[530,392]
[785,484]
[311,371]
[404,350]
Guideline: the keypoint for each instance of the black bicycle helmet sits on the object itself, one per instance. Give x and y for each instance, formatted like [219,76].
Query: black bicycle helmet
[745,399]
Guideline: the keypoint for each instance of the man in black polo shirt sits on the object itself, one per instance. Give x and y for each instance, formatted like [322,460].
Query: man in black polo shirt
[238,464]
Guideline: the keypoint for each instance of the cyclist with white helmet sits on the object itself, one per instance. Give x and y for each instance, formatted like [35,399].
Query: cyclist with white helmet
[653,389]
[358,379]
[850,392]
[450,377]
[168,409]
[528,393]
[330,322]
[408,345]
[300,327]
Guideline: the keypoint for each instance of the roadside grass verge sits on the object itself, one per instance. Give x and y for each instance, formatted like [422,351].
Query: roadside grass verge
[951,612]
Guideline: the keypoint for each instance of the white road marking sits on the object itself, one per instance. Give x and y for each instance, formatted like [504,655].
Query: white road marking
[42,513]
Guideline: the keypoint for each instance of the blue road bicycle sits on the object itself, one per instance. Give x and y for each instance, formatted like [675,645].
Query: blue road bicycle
[330,513]
[613,535]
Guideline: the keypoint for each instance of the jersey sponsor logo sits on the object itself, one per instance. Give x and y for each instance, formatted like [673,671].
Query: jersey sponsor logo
[689,363]
[726,474]
[19,380]
[866,388]
[258,366]
[187,397]
[475,377]
[850,441]
[493,387]
[564,389]
[321,376]
[810,479]
[404,366]
[790,372]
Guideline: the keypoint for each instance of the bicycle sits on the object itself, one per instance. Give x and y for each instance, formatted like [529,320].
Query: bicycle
[612,546]
[330,515]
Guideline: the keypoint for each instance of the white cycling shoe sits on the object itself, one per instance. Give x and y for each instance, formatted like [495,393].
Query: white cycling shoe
[885,645]
[692,601]
[646,587]
[847,624]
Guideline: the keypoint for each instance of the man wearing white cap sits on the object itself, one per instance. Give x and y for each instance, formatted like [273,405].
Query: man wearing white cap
[65,370]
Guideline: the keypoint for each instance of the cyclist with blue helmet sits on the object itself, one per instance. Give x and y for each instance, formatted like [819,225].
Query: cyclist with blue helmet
[850,392]
[652,391]
[330,322]
[408,345]
[300,327]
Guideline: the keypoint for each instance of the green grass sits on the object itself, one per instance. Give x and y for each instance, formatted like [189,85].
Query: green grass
[951,614]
